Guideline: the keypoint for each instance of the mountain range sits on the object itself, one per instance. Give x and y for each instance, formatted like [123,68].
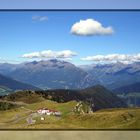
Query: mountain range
[51,74]
[58,74]
[114,75]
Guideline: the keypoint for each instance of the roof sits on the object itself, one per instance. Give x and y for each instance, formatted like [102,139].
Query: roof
[50,110]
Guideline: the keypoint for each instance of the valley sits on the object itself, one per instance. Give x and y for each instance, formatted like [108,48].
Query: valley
[79,94]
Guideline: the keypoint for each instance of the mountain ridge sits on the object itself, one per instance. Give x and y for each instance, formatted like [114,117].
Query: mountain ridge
[52,74]
[6,82]
[98,97]
[110,75]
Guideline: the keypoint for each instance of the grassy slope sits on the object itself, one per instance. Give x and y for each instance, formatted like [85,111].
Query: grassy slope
[107,119]
[103,119]
[8,118]
[24,97]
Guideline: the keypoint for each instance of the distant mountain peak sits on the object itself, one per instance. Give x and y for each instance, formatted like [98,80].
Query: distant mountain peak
[54,60]
[53,73]
[47,61]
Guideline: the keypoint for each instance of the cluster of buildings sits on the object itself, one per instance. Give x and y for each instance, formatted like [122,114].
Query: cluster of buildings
[46,111]
[40,113]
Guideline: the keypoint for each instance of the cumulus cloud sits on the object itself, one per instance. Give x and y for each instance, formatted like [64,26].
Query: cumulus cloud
[65,54]
[125,58]
[90,27]
[40,18]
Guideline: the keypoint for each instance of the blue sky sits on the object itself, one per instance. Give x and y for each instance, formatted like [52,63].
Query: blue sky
[24,33]
[65,4]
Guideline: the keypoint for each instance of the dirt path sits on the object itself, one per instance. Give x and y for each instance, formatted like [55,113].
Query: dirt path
[16,103]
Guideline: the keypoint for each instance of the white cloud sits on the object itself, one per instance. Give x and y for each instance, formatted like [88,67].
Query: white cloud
[125,58]
[65,54]
[31,55]
[90,27]
[40,18]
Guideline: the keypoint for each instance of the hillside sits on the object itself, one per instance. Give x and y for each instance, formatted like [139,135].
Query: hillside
[97,97]
[102,98]
[130,94]
[104,119]
[129,88]
[4,105]
[90,108]
[7,85]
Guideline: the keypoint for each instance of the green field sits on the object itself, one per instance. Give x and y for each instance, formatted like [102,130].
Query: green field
[16,118]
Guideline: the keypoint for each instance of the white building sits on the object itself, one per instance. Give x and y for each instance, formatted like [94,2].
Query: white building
[45,111]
